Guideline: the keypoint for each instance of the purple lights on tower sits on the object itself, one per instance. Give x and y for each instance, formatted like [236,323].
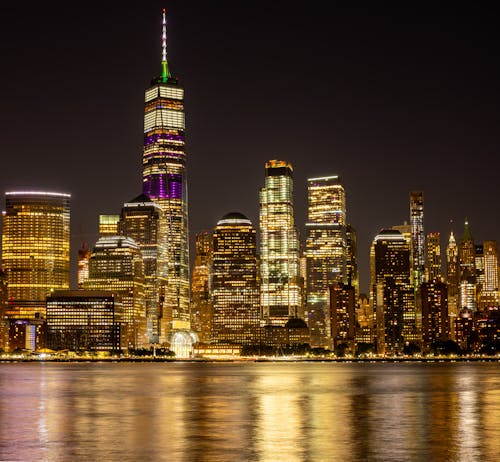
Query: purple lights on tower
[163,186]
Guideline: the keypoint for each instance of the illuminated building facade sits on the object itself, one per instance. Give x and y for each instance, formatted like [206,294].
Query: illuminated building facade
[391,291]
[4,322]
[343,315]
[326,251]
[235,283]
[417,237]
[352,258]
[83,264]
[141,219]
[35,249]
[435,319]
[116,265]
[279,246]
[164,181]
[83,320]
[201,301]
[467,265]
[433,267]
[108,225]
[452,276]
[489,291]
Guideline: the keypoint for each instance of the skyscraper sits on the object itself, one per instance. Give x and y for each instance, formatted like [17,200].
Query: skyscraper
[35,249]
[164,180]
[201,303]
[435,319]
[116,265]
[452,277]
[433,266]
[142,220]
[391,291]
[235,287]
[326,250]
[467,263]
[417,237]
[279,245]
[352,258]
[489,291]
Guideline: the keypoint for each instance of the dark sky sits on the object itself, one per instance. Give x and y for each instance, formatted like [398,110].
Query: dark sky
[392,99]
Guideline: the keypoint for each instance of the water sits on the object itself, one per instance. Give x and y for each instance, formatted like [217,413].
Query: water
[250,412]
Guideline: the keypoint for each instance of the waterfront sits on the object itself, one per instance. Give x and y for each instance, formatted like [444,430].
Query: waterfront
[250,411]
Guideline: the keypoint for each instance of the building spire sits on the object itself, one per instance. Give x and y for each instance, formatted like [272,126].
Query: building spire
[165,71]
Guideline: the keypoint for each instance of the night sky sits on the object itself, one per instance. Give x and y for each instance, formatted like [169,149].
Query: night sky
[391,99]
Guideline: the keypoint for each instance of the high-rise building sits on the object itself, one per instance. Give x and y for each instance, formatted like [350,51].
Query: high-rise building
[417,237]
[83,263]
[352,258]
[35,249]
[433,267]
[435,319]
[279,245]
[467,263]
[489,292]
[343,315]
[142,220]
[201,302]
[326,251]
[391,291]
[164,181]
[452,277]
[235,288]
[4,322]
[116,265]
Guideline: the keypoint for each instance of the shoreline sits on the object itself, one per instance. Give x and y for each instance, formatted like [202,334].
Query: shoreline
[253,360]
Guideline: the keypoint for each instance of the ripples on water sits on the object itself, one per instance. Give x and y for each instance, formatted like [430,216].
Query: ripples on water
[250,412]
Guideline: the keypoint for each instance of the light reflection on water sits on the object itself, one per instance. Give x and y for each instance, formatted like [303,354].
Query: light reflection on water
[250,412]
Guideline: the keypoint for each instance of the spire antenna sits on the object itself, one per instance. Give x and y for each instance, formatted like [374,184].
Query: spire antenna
[165,71]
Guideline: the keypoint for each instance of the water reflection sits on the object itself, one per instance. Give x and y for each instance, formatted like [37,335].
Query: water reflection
[249,412]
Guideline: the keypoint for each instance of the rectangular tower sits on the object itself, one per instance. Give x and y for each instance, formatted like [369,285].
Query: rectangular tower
[279,245]
[326,251]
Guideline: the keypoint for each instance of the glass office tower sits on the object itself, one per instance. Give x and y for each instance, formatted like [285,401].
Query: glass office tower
[164,181]
[35,249]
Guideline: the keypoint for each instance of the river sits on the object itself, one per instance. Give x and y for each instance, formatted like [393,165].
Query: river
[275,411]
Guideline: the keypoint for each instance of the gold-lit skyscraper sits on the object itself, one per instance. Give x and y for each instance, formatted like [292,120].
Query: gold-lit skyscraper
[433,266]
[279,246]
[467,264]
[452,278]
[35,249]
[235,288]
[165,181]
[141,219]
[201,303]
[326,250]
[417,237]
[116,265]
[489,291]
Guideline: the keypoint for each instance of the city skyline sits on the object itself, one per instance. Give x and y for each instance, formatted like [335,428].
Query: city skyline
[401,102]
